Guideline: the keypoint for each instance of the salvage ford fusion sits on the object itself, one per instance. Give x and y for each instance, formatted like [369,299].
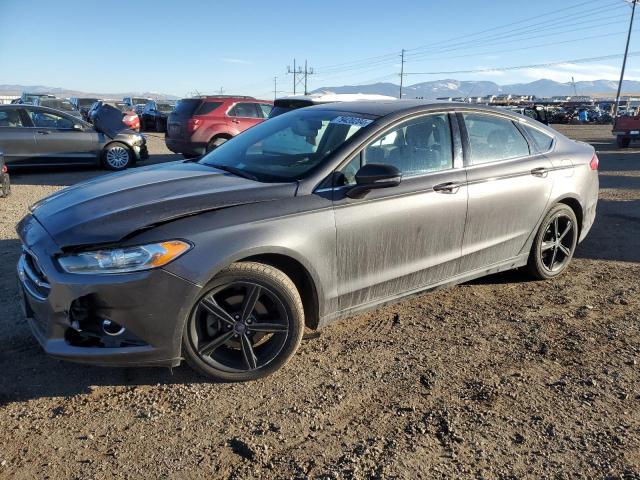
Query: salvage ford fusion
[301,220]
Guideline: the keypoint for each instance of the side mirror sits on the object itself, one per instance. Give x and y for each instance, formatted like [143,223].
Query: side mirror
[373,176]
[78,128]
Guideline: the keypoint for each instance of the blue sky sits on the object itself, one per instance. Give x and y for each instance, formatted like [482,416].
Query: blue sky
[191,45]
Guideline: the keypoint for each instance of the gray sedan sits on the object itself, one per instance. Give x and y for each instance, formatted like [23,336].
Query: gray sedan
[40,136]
[304,219]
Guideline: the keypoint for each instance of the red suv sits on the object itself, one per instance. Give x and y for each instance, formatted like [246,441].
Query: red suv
[198,125]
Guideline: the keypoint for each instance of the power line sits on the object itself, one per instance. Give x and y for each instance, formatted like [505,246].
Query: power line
[391,56]
[522,67]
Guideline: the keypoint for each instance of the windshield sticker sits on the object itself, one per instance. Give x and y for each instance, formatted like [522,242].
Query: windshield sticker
[358,122]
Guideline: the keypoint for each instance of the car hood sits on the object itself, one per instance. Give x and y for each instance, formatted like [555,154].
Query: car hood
[111,207]
[108,120]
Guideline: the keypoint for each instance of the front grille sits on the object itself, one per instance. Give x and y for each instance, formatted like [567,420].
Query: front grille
[32,276]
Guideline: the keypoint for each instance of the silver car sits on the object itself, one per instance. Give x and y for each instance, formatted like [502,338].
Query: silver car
[304,219]
[32,135]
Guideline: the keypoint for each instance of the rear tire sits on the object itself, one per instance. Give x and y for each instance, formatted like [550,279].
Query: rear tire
[5,185]
[117,156]
[554,244]
[623,142]
[247,324]
[215,143]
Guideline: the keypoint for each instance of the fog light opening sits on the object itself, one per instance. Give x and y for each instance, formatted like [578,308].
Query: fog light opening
[112,328]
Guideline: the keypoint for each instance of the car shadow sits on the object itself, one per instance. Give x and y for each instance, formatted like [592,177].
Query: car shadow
[72,174]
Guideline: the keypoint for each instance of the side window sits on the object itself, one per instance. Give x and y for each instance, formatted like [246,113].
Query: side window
[415,147]
[493,138]
[208,107]
[265,109]
[542,142]
[10,118]
[50,120]
[246,110]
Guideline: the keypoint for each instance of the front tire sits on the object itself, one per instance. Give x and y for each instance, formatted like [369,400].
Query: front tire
[117,156]
[554,244]
[248,323]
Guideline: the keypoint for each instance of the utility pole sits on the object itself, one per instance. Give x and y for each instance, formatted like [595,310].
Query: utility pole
[275,87]
[300,77]
[401,71]
[221,91]
[307,72]
[575,91]
[624,61]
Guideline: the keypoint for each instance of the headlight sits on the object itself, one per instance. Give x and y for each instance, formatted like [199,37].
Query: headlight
[123,260]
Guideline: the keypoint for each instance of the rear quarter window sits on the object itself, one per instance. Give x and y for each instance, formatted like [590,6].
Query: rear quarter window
[207,107]
[542,142]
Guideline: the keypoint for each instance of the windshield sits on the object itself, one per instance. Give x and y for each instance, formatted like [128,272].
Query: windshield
[123,107]
[288,147]
[86,102]
[57,104]
[139,101]
[165,107]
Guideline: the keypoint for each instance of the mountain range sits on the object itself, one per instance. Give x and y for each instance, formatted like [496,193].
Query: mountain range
[457,88]
[16,90]
[427,90]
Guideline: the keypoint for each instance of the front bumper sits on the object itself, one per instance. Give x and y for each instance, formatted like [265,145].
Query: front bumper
[141,151]
[66,311]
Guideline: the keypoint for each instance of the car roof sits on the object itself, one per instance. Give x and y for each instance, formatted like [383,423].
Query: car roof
[387,107]
[328,97]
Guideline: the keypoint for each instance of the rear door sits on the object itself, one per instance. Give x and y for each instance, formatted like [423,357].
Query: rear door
[509,187]
[58,142]
[244,115]
[17,139]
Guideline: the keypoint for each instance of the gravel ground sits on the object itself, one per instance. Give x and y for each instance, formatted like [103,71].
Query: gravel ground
[503,378]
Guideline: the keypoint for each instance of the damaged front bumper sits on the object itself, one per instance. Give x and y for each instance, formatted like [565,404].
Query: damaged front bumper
[118,319]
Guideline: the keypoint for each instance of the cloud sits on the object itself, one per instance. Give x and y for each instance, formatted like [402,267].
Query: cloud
[235,60]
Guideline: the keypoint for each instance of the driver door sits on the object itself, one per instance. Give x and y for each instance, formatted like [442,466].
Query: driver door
[56,140]
[403,238]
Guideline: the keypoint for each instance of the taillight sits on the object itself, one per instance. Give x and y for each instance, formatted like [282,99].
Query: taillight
[193,124]
[594,162]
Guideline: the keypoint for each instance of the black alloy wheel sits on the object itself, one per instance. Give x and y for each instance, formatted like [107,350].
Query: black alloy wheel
[555,243]
[247,324]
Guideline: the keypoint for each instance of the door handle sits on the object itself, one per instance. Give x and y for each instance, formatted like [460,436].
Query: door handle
[42,132]
[235,121]
[540,172]
[448,187]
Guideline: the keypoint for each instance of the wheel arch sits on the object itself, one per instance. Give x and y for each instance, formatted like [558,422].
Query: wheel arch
[225,135]
[299,275]
[576,206]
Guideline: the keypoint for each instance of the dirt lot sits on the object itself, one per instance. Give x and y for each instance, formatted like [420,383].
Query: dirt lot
[501,378]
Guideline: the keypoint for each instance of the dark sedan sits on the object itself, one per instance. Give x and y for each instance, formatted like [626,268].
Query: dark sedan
[306,218]
[38,136]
